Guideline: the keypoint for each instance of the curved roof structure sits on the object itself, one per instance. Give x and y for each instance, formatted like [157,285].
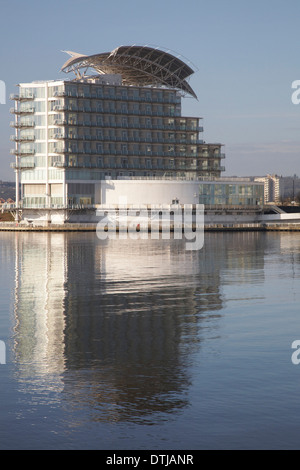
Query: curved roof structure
[138,65]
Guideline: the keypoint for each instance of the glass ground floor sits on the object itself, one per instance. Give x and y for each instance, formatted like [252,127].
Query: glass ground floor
[141,191]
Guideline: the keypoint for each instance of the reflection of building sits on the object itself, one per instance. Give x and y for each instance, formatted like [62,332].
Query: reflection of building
[39,296]
[127,313]
[114,325]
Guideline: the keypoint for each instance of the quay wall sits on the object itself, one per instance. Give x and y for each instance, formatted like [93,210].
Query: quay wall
[214,218]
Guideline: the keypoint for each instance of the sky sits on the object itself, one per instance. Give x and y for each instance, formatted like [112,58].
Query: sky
[244,53]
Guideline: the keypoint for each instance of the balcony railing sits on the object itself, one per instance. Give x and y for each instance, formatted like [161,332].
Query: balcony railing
[27,138]
[21,97]
[22,125]
[22,166]
[22,152]
[59,136]
[60,122]
[119,97]
[22,111]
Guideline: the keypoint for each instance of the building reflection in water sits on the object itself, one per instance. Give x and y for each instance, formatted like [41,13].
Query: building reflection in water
[115,325]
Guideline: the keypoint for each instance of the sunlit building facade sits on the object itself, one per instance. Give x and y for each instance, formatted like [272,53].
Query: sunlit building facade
[273,188]
[125,121]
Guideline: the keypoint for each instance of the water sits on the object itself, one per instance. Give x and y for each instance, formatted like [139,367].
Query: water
[123,344]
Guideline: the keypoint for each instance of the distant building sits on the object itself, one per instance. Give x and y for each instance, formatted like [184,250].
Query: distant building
[272,188]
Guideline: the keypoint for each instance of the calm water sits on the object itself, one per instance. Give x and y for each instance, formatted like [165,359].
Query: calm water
[123,344]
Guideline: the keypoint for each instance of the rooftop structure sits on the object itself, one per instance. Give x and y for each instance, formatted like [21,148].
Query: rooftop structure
[138,65]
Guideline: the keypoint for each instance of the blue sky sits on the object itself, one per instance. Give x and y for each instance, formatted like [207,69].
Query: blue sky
[245,53]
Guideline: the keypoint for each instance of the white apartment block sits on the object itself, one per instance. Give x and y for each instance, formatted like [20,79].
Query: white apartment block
[272,188]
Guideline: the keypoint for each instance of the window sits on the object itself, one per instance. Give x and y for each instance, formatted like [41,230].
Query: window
[87,147]
[99,92]
[182,124]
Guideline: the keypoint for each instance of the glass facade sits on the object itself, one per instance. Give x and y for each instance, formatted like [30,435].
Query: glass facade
[230,193]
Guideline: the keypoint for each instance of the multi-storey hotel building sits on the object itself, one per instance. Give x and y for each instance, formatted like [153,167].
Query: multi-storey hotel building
[124,121]
[70,135]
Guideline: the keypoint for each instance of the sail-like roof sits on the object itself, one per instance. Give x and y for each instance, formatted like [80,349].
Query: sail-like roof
[138,65]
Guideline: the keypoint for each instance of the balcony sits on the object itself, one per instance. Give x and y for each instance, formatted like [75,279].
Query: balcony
[62,150]
[22,153]
[60,107]
[22,125]
[60,94]
[60,122]
[22,166]
[22,97]
[60,164]
[59,137]
[27,138]
[22,111]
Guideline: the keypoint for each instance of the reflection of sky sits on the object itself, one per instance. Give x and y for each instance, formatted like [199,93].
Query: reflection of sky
[251,44]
